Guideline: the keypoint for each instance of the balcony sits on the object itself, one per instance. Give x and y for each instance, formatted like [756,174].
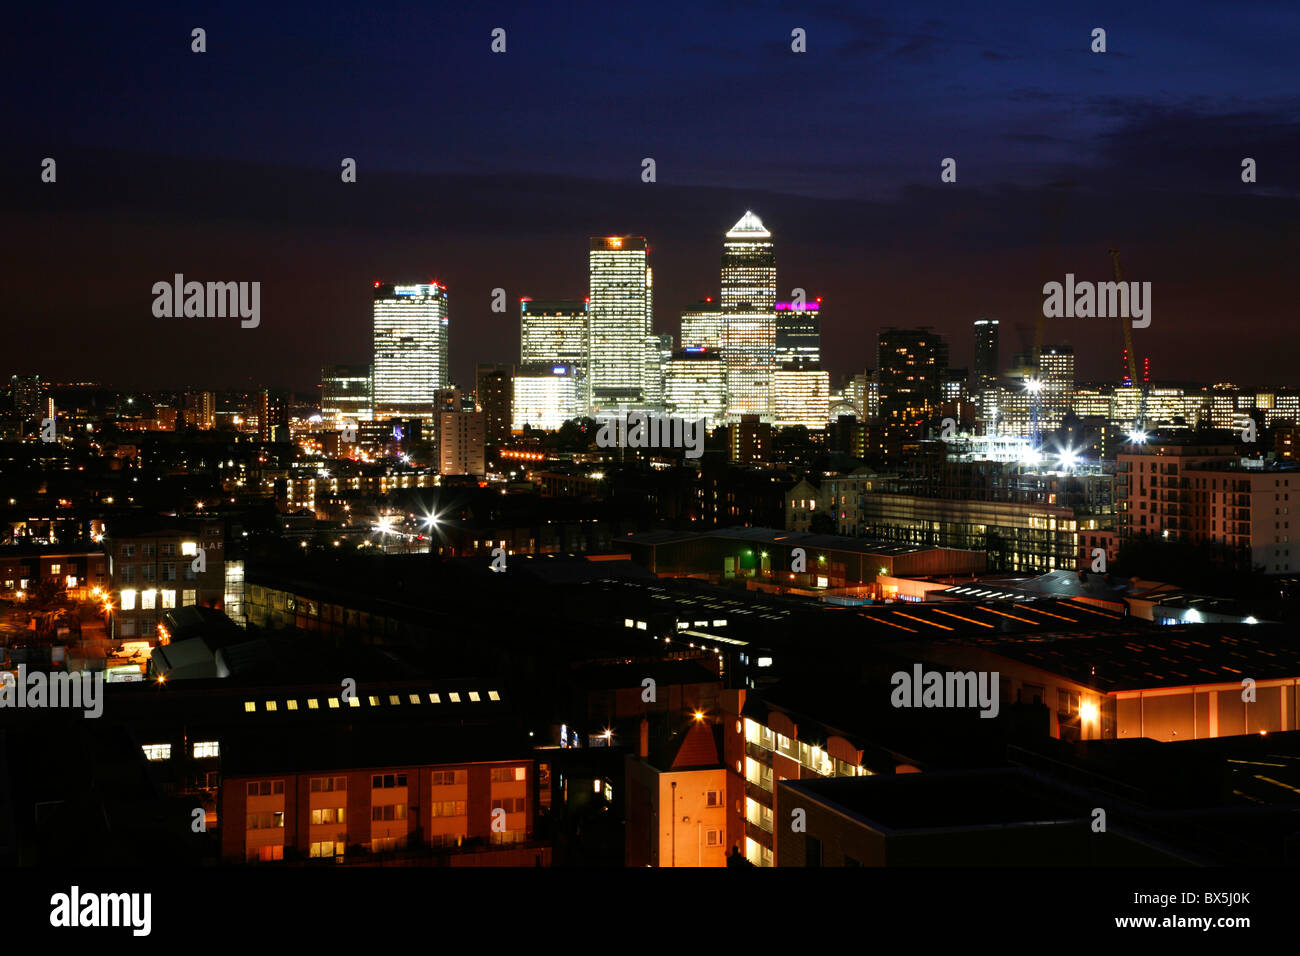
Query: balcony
[758,793]
[759,753]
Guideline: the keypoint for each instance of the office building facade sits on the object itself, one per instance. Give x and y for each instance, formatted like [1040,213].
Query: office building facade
[410,341]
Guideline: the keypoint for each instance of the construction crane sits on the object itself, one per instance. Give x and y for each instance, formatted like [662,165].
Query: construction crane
[1139,421]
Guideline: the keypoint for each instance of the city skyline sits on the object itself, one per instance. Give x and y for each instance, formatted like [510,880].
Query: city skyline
[1061,155]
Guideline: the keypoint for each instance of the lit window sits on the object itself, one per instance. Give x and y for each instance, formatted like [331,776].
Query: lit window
[157,751]
[354,701]
[291,704]
[415,698]
[313,703]
[435,699]
[250,706]
[374,701]
[473,696]
[493,695]
[270,705]
[207,748]
[454,697]
[128,599]
[334,703]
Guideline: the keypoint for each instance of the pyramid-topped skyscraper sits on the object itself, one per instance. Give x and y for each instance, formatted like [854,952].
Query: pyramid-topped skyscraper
[749,317]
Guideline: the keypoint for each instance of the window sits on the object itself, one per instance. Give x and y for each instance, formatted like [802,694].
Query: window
[328,815]
[714,798]
[269,820]
[509,804]
[387,781]
[148,599]
[169,572]
[449,808]
[328,784]
[207,748]
[713,838]
[128,551]
[157,751]
[56,568]
[168,599]
[508,774]
[167,549]
[265,788]
[447,778]
[189,597]
[391,811]
[128,599]
[327,849]
[813,854]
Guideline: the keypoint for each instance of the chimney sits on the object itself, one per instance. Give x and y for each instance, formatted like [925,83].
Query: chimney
[643,750]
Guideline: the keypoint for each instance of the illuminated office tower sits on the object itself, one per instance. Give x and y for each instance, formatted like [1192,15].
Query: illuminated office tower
[801,397]
[749,311]
[702,326]
[345,394]
[986,354]
[620,316]
[1056,372]
[557,332]
[545,397]
[410,327]
[695,385]
[658,353]
[553,332]
[798,335]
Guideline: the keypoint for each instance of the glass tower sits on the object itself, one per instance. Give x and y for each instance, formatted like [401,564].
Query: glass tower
[749,316]
[620,320]
[410,327]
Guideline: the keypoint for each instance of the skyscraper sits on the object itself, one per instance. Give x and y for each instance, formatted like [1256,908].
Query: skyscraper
[986,354]
[695,385]
[798,335]
[658,353]
[619,322]
[1056,374]
[25,395]
[345,394]
[545,397]
[749,314]
[410,330]
[702,326]
[556,332]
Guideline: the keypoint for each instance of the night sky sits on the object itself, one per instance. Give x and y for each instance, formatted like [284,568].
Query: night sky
[488,171]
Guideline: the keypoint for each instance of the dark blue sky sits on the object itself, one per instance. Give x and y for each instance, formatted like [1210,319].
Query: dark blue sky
[491,170]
